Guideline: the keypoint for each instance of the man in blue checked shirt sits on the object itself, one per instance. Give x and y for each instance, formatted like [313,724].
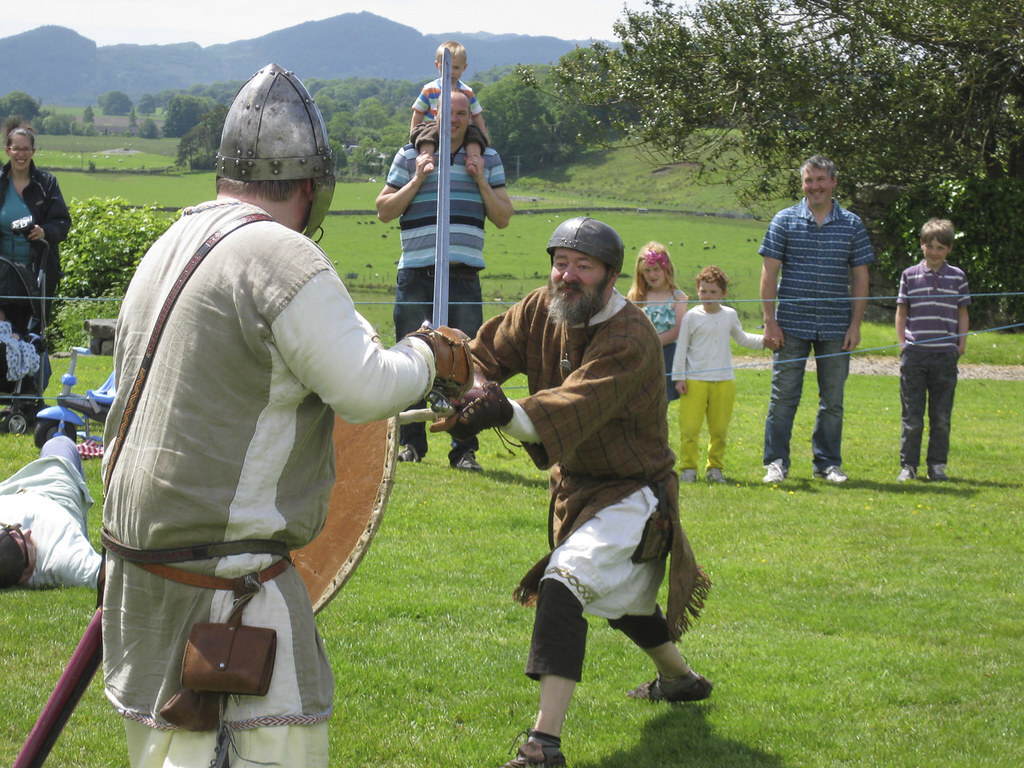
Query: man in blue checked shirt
[410,194]
[816,256]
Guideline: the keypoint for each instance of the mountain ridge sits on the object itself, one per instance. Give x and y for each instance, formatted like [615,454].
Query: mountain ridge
[75,71]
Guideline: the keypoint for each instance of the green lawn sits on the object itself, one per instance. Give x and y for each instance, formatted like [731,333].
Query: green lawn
[865,625]
[858,626]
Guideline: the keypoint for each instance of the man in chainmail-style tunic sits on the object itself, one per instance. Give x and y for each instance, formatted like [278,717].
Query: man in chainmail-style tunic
[595,415]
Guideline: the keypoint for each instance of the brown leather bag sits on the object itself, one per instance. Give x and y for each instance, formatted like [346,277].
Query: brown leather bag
[229,658]
[193,711]
[656,540]
[221,658]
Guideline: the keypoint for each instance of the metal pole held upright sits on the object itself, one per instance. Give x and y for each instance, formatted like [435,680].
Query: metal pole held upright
[444,149]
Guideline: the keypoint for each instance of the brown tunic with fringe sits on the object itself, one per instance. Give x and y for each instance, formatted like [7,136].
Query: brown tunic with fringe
[597,400]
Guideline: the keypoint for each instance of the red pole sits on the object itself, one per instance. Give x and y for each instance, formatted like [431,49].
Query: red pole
[72,684]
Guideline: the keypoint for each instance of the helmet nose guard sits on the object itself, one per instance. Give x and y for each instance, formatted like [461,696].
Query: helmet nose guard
[274,130]
[589,236]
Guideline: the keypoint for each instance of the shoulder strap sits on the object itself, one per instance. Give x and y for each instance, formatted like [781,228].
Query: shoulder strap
[158,329]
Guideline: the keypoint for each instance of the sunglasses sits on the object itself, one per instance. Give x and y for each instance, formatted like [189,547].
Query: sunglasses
[14,531]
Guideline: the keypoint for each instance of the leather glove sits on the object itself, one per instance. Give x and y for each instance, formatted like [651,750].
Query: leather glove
[452,359]
[490,409]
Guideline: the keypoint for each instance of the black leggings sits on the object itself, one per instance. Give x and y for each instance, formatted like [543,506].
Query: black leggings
[646,631]
[560,632]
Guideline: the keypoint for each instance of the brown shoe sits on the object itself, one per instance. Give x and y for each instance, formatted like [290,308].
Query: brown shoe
[698,688]
[531,755]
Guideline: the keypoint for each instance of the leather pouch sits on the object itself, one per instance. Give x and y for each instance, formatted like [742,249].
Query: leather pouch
[193,711]
[656,540]
[229,658]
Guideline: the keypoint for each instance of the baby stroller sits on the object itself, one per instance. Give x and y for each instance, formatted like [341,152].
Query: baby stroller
[22,303]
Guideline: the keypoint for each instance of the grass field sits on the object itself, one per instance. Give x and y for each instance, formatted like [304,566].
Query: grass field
[858,626]
[865,625]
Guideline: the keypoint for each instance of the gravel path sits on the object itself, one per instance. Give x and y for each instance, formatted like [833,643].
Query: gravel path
[890,366]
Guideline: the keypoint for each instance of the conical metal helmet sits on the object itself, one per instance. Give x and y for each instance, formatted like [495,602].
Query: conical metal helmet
[589,236]
[274,130]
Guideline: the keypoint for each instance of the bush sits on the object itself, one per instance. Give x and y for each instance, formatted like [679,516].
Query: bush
[108,237]
[986,214]
[67,327]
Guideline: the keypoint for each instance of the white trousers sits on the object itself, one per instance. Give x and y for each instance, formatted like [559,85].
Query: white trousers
[595,561]
[291,746]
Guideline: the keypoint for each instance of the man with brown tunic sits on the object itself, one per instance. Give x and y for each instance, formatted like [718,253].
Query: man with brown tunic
[596,416]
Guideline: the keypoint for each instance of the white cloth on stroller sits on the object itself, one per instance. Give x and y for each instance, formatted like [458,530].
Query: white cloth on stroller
[22,357]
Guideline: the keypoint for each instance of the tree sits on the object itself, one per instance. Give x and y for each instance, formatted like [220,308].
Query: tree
[896,92]
[183,113]
[530,125]
[20,104]
[146,104]
[57,125]
[372,114]
[87,116]
[148,129]
[198,148]
[114,103]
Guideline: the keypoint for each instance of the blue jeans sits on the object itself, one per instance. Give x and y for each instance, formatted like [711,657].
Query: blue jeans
[669,351]
[926,376]
[63,446]
[414,301]
[787,385]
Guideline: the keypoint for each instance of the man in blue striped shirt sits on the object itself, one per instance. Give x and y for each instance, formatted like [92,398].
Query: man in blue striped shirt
[410,194]
[812,252]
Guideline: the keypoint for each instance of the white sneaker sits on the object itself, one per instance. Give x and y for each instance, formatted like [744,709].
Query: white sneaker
[833,474]
[775,472]
[714,475]
[907,473]
[688,476]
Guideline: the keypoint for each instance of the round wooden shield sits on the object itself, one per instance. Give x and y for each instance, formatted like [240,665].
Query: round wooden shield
[364,462]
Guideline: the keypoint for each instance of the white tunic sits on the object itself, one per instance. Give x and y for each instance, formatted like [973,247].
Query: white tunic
[232,440]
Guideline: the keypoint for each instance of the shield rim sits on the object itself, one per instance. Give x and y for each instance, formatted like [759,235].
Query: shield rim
[324,589]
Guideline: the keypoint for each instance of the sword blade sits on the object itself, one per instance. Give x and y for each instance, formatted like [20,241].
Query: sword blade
[444,149]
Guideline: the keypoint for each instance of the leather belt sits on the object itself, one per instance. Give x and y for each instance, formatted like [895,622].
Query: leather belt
[196,552]
[240,585]
[154,561]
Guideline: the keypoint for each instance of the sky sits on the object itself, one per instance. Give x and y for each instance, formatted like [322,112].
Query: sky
[208,22]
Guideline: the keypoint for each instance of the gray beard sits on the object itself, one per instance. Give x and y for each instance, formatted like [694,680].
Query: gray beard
[578,312]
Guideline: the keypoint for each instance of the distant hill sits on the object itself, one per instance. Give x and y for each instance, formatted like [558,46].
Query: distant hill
[60,67]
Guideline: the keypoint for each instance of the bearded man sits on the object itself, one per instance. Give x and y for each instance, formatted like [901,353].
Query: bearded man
[595,415]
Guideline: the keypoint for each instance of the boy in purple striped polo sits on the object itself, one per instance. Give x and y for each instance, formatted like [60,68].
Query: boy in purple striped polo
[931,327]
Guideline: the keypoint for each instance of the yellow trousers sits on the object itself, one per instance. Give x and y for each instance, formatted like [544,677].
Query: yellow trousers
[711,400]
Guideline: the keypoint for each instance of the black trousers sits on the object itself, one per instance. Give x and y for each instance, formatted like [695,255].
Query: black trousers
[559,640]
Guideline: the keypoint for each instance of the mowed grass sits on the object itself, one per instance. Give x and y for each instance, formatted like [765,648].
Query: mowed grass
[864,625]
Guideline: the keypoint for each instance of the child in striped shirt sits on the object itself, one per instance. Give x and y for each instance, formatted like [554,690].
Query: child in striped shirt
[931,327]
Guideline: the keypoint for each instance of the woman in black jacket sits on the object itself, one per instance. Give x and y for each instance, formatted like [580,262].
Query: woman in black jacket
[26,191]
